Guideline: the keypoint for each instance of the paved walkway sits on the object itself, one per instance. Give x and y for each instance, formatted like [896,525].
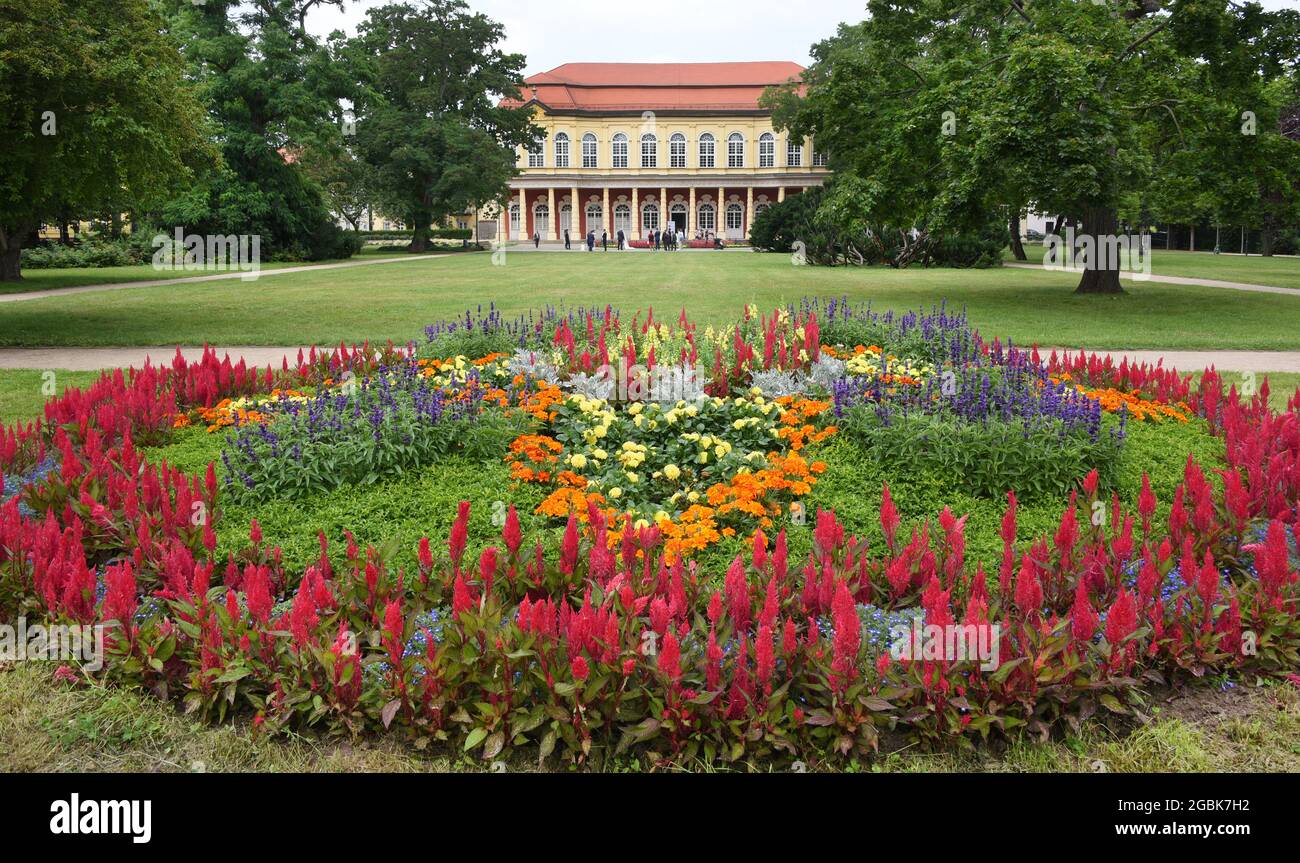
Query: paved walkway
[187,280]
[1183,280]
[88,359]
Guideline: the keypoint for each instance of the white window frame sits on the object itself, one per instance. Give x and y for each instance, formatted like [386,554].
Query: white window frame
[794,153]
[649,216]
[561,150]
[706,217]
[738,211]
[677,150]
[623,219]
[595,215]
[735,150]
[708,150]
[649,150]
[537,154]
[618,159]
[590,148]
[542,218]
[767,150]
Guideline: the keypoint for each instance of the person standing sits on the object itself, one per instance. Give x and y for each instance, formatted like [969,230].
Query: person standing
[566,240]
[537,240]
[604,239]
[591,240]
[619,236]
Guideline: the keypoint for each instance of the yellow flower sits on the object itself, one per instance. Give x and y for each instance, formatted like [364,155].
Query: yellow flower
[672,471]
[599,455]
[634,408]
[579,461]
[615,493]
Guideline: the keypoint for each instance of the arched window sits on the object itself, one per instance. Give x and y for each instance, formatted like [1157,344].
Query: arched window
[735,150]
[589,150]
[514,228]
[622,219]
[561,150]
[707,149]
[766,151]
[650,216]
[537,154]
[677,150]
[649,151]
[706,220]
[595,216]
[542,218]
[794,153]
[566,217]
[760,207]
[735,219]
[620,150]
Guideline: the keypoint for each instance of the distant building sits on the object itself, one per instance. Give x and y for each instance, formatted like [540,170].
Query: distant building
[635,146]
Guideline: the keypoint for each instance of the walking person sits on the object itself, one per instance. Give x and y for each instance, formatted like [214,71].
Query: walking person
[566,240]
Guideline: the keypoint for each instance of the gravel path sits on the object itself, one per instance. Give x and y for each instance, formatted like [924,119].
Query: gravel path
[1184,280]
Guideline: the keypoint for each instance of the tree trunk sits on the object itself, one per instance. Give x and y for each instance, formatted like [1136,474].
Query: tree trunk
[1017,247]
[1266,242]
[420,241]
[10,258]
[1101,275]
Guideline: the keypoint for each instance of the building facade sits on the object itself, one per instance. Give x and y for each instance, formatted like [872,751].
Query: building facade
[636,146]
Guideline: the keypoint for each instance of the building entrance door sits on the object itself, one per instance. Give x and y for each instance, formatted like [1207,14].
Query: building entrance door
[679,221]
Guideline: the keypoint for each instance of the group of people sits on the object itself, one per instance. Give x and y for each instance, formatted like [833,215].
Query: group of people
[667,239]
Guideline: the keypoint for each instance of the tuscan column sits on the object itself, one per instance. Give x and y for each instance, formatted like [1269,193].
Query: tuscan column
[521,232]
[663,207]
[605,216]
[575,215]
[555,214]
[634,229]
[780,194]
[720,213]
[690,213]
[749,210]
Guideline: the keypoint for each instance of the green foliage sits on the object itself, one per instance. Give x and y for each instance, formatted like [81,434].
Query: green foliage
[985,459]
[939,113]
[95,113]
[468,343]
[274,94]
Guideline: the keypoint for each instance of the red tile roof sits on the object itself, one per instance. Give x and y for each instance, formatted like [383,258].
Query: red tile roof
[636,87]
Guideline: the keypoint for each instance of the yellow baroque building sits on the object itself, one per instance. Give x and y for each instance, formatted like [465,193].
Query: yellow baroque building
[633,147]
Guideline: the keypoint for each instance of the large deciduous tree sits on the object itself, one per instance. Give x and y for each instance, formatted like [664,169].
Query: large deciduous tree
[941,111]
[95,114]
[429,115]
[274,94]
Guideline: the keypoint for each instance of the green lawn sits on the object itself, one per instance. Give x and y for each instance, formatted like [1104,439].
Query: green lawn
[1281,272]
[23,391]
[394,301]
[51,279]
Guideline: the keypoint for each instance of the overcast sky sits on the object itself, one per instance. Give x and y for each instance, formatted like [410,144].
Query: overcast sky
[563,31]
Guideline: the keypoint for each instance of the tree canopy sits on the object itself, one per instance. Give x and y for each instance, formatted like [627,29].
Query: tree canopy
[95,114]
[429,119]
[938,112]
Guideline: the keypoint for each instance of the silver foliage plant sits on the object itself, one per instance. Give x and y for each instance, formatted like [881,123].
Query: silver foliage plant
[533,364]
[775,383]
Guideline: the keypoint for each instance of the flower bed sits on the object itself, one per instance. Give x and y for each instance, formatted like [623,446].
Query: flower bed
[673,593]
